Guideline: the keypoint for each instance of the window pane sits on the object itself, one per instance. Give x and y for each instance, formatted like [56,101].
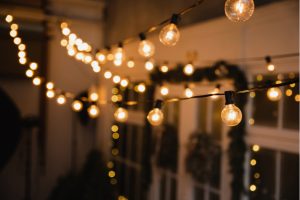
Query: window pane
[198,193]
[291,108]
[289,177]
[263,174]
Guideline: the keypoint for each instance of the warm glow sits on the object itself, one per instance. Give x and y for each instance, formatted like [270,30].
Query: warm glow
[271,67]
[64,42]
[188,69]
[124,82]
[33,65]
[146,48]
[215,91]
[22,61]
[14,27]
[289,92]
[252,94]
[87,59]
[274,94]
[121,115]
[71,52]
[29,73]
[66,31]
[72,37]
[61,99]
[111,174]
[116,79]
[130,64]
[50,94]
[155,117]
[169,35]
[77,105]
[252,162]
[101,57]
[107,74]
[259,77]
[118,62]
[50,85]
[164,90]
[9,18]
[239,10]
[119,56]
[149,65]
[252,188]
[297,98]
[17,41]
[164,68]
[79,56]
[255,148]
[188,92]
[251,121]
[93,96]
[22,47]
[141,88]
[93,111]
[115,136]
[13,33]
[22,54]
[114,128]
[231,115]
[37,81]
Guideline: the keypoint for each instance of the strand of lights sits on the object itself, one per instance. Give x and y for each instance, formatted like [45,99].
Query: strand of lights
[37,80]
[253,162]
[239,10]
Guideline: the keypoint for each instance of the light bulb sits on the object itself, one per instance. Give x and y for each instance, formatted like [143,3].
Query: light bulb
[119,55]
[239,10]
[64,42]
[79,56]
[169,35]
[87,58]
[271,67]
[50,85]
[107,74]
[146,48]
[9,18]
[17,41]
[101,57]
[274,94]
[96,68]
[121,115]
[116,79]
[93,96]
[149,65]
[130,64]
[61,99]
[93,111]
[50,94]
[13,33]
[22,47]
[141,88]
[110,57]
[72,37]
[66,31]
[231,115]
[164,90]
[155,117]
[29,73]
[188,92]
[188,69]
[36,81]
[71,52]
[14,27]
[124,82]
[77,105]
[22,61]
[33,65]
[164,68]
[63,25]
[22,54]
[216,90]
[118,62]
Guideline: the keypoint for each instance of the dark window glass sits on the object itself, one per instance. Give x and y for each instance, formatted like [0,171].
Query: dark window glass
[289,184]
[198,193]
[216,118]
[202,114]
[263,174]
[291,108]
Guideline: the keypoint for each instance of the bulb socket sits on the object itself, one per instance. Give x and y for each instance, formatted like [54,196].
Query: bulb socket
[158,104]
[229,97]
[268,59]
[142,36]
[175,19]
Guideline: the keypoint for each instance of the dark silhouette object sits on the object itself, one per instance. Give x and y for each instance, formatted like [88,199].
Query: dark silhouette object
[91,183]
[10,124]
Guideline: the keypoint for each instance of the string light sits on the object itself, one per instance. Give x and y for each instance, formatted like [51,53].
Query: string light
[50,85]
[101,57]
[107,74]
[72,37]
[79,56]
[149,66]
[77,105]
[252,188]
[169,35]
[297,98]
[88,59]
[252,94]
[164,68]
[50,94]
[216,90]
[270,66]
[255,148]
[119,55]
[61,99]
[93,96]
[13,33]
[66,31]
[155,117]
[14,27]
[188,69]
[36,81]
[93,111]
[141,88]
[33,66]
[274,94]
[164,90]
[121,114]
[17,40]
[29,73]
[22,54]
[116,79]
[146,48]
[22,47]
[289,92]
[239,10]
[63,42]
[251,121]
[188,92]
[22,61]
[124,82]
[231,115]
[9,18]
[130,63]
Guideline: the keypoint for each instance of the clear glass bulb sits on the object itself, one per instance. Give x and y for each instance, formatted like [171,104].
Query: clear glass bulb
[188,69]
[101,57]
[124,82]
[141,88]
[146,48]
[239,10]
[231,115]
[61,99]
[93,111]
[37,81]
[164,90]
[50,94]
[50,85]
[271,67]
[155,117]
[130,64]
[107,74]
[164,68]
[116,79]
[188,92]
[29,73]
[169,35]
[119,56]
[77,105]
[121,115]
[274,94]
[33,65]
[149,65]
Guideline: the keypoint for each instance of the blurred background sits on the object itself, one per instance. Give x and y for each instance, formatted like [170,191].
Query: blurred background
[50,152]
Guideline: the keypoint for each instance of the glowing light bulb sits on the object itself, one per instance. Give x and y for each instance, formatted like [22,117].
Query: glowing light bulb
[164,90]
[164,68]
[146,48]
[29,73]
[216,90]
[66,31]
[22,54]
[33,65]
[239,10]
[9,18]
[63,25]
[110,57]
[141,88]
[155,117]
[72,37]
[107,74]
[116,79]
[231,115]
[118,62]
[124,82]
[297,97]
[121,115]
[252,188]
[77,105]
[119,56]
[50,94]
[71,52]
[101,57]
[61,99]
[149,66]
[274,94]
[36,81]
[93,111]
[130,64]
[169,35]
[50,85]
[22,47]
[22,61]
[188,92]
[13,33]
[17,41]
[271,67]
[87,59]
[95,66]
[64,42]
[79,56]
[188,69]
[93,96]
[14,27]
